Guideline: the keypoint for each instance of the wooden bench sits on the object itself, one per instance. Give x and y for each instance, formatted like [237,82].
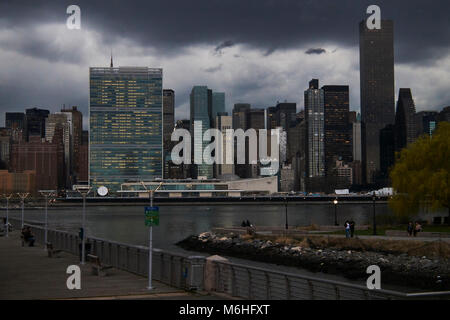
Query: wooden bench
[98,269]
[52,252]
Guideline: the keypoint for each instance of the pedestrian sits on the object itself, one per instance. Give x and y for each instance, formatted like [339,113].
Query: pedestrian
[347,229]
[352,228]
[417,228]
[410,228]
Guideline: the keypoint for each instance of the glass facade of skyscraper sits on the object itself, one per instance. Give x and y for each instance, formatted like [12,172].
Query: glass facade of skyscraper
[200,113]
[125,125]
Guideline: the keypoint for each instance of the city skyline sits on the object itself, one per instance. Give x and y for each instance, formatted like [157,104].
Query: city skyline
[247,70]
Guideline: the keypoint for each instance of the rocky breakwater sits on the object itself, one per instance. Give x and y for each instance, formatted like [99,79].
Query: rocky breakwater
[396,268]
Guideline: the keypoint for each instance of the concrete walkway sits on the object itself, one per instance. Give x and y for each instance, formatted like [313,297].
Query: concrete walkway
[28,273]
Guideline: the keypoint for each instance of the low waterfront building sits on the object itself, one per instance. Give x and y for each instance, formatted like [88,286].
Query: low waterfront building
[201,188]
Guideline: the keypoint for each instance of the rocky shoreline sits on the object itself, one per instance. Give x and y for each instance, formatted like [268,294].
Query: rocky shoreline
[402,269]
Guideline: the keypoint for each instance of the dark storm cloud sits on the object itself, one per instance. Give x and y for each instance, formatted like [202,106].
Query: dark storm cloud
[422,27]
[315,51]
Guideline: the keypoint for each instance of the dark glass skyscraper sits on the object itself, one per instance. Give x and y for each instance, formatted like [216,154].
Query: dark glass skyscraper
[377,90]
[405,127]
[36,122]
[169,113]
[125,125]
[337,128]
[201,106]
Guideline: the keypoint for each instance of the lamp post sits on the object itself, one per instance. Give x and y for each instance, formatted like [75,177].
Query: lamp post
[22,197]
[374,221]
[47,194]
[83,190]
[335,212]
[7,213]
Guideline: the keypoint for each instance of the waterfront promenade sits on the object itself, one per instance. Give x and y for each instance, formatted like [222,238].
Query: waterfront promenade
[28,273]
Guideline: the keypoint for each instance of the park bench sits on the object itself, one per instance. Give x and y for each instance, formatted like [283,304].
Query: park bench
[98,269]
[51,251]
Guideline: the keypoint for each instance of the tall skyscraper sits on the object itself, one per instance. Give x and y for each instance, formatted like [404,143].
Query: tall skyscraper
[75,118]
[377,90]
[200,112]
[126,129]
[337,128]
[224,122]
[218,106]
[60,121]
[36,122]
[168,113]
[314,116]
[405,126]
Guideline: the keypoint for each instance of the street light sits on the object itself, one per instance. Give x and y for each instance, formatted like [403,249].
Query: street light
[335,212]
[22,197]
[374,221]
[7,213]
[83,190]
[46,194]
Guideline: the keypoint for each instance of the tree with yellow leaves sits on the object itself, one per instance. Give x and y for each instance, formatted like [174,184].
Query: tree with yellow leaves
[421,175]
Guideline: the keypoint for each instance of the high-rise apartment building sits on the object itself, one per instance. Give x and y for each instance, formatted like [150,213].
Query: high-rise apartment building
[337,129]
[314,116]
[126,129]
[201,100]
[377,90]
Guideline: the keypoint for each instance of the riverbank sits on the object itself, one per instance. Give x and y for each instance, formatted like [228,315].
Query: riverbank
[420,264]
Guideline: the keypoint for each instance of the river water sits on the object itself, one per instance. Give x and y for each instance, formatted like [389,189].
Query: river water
[127,224]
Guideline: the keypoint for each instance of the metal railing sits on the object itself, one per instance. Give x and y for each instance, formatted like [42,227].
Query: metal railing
[250,282]
[237,280]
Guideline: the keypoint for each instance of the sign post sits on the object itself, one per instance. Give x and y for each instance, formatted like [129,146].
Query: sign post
[151,219]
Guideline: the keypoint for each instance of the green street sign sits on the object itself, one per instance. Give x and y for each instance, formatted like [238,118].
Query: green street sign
[151,216]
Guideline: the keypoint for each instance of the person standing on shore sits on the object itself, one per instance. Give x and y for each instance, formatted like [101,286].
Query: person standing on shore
[352,228]
[410,228]
[347,229]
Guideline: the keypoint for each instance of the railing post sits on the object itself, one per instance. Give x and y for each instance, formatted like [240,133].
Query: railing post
[288,288]
[233,281]
[249,283]
[311,289]
[338,293]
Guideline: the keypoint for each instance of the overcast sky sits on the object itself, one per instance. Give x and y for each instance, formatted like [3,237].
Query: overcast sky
[259,52]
